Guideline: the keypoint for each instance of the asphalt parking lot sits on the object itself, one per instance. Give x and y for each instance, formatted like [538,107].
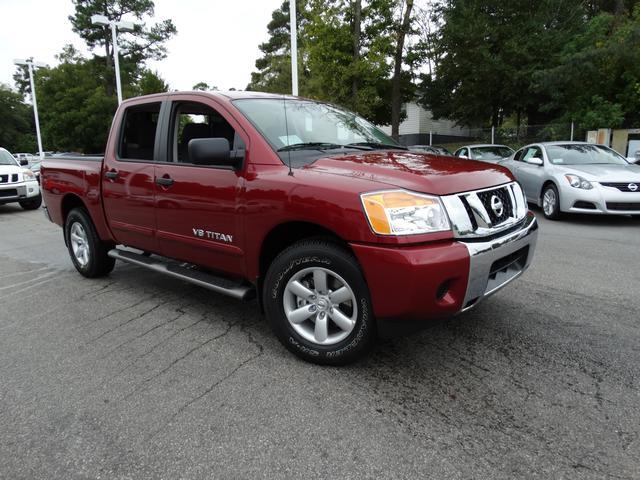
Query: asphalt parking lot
[141,376]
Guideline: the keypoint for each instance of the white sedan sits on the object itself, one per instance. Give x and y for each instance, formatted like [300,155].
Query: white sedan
[18,184]
[576,177]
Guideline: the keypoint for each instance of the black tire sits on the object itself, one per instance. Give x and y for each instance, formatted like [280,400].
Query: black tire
[32,204]
[554,213]
[337,262]
[98,263]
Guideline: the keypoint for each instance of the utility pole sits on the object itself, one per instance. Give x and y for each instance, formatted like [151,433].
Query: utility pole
[30,64]
[294,47]
[123,26]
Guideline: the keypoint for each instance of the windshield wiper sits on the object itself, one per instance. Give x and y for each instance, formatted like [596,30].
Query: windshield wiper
[309,146]
[374,145]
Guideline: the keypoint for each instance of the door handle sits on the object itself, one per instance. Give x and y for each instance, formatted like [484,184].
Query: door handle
[111,174]
[164,181]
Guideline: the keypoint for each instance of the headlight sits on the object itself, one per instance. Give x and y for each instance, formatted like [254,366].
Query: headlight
[399,212]
[578,182]
[28,175]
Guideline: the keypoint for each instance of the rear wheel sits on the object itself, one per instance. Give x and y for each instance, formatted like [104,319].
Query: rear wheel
[88,253]
[317,302]
[32,204]
[551,202]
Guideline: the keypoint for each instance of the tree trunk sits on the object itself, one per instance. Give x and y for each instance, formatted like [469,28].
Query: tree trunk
[357,14]
[396,94]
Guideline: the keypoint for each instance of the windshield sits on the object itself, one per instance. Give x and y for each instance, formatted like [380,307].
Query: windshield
[312,126]
[493,152]
[7,159]
[583,154]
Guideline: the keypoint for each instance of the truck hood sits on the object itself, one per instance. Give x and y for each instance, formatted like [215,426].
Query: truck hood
[604,173]
[9,169]
[421,172]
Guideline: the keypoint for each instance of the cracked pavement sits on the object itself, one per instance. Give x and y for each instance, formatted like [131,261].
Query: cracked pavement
[141,376]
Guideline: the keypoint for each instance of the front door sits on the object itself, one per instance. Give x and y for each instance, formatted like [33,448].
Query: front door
[529,175]
[197,211]
[128,188]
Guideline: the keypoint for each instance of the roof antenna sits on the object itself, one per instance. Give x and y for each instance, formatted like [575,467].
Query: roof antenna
[286,131]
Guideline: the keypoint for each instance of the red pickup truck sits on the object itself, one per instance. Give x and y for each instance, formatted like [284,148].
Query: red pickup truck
[325,219]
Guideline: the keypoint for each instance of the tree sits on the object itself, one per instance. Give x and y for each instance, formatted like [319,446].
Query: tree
[204,86]
[488,54]
[151,82]
[16,122]
[137,47]
[398,61]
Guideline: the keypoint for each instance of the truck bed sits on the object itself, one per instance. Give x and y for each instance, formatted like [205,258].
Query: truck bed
[74,175]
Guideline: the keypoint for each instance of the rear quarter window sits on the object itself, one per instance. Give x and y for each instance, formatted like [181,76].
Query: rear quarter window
[138,135]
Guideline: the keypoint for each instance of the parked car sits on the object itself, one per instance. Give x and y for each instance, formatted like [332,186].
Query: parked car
[485,153]
[577,177]
[310,208]
[25,156]
[17,183]
[430,149]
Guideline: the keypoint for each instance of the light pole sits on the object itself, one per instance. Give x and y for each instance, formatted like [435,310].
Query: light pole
[294,47]
[30,64]
[123,26]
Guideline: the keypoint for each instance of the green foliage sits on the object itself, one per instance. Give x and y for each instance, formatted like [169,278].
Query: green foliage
[151,82]
[330,69]
[16,122]
[204,86]
[75,110]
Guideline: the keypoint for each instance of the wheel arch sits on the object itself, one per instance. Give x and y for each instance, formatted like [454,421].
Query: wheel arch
[286,234]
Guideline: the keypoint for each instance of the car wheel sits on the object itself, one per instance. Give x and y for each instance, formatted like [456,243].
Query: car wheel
[318,305]
[32,204]
[551,202]
[88,253]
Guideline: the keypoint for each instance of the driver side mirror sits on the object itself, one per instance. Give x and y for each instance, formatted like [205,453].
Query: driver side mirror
[212,152]
[535,161]
[24,162]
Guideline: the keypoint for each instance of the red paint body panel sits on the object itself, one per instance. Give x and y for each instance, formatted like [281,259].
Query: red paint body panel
[403,273]
[404,281]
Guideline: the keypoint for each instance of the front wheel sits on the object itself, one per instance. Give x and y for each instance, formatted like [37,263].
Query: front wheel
[317,302]
[551,202]
[32,204]
[88,253]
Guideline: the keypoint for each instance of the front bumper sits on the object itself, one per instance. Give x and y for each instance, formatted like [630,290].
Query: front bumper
[18,192]
[599,200]
[442,279]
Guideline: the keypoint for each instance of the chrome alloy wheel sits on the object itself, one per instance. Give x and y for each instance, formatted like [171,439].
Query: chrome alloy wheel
[79,243]
[549,201]
[320,306]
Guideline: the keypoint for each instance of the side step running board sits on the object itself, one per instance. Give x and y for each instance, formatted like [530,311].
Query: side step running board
[218,284]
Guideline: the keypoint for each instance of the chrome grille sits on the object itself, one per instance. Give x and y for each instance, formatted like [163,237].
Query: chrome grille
[487,212]
[623,187]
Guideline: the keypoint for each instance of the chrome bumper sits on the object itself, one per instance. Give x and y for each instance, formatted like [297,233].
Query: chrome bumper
[495,263]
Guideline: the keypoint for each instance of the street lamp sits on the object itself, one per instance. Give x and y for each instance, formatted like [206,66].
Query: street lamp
[123,26]
[30,64]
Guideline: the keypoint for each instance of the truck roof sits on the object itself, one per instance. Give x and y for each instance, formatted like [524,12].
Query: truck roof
[228,95]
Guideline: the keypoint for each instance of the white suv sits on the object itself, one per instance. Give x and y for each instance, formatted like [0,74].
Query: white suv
[18,184]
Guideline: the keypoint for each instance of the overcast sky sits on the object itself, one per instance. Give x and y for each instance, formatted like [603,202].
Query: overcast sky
[217,40]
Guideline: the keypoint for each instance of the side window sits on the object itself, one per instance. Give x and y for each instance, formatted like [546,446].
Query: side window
[518,156]
[461,152]
[139,132]
[191,120]
[530,153]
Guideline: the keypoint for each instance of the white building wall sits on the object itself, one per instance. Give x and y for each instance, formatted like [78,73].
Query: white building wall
[420,120]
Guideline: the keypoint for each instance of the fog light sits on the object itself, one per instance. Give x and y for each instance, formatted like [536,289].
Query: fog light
[443,289]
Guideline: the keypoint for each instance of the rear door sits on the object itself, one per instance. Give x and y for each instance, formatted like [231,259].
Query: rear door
[128,188]
[197,206]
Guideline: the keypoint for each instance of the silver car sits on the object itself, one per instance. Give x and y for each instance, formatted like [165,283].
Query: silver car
[491,153]
[576,177]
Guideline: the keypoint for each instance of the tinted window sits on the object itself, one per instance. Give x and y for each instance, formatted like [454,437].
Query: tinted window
[139,132]
[191,120]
